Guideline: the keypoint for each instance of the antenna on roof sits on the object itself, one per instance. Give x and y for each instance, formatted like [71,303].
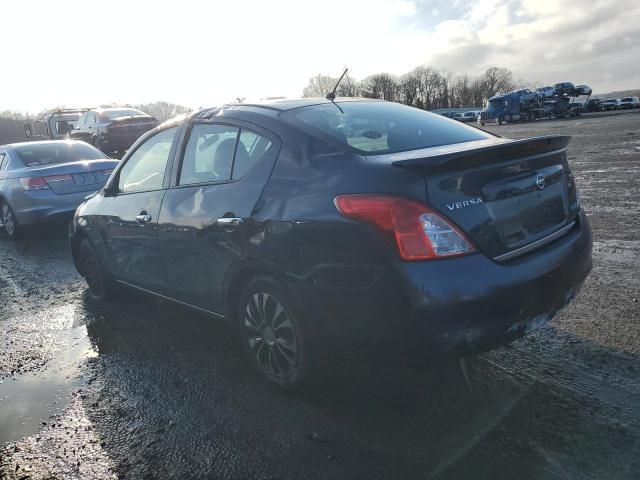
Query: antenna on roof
[332,95]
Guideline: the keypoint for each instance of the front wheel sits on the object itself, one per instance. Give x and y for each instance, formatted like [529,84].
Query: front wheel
[93,271]
[9,221]
[274,335]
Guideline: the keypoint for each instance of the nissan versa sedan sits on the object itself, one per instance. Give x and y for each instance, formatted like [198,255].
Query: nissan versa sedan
[347,229]
[46,180]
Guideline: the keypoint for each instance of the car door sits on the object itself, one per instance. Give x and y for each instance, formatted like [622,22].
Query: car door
[128,214]
[205,222]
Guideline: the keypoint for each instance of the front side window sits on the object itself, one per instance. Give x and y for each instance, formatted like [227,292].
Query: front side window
[381,127]
[208,156]
[145,168]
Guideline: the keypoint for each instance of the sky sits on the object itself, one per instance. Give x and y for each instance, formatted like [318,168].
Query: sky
[204,53]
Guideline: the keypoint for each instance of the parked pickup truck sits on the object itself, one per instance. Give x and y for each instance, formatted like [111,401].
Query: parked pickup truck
[56,124]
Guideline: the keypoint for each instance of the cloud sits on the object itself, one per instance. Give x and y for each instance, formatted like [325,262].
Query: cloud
[549,42]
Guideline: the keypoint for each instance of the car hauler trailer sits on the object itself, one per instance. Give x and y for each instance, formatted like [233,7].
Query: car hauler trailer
[526,105]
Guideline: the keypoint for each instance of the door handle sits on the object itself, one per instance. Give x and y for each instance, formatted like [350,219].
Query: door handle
[229,222]
[143,217]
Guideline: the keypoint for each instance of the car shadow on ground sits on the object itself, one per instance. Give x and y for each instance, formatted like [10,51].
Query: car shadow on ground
[169,392]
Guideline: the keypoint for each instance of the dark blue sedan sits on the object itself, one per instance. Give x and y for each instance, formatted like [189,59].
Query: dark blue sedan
[347,229]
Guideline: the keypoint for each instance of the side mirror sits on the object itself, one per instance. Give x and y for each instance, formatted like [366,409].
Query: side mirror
[110,189]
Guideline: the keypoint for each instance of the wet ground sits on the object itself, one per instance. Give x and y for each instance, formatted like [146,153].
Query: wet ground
[145,389]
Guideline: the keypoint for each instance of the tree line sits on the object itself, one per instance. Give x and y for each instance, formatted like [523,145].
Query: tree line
[423,87]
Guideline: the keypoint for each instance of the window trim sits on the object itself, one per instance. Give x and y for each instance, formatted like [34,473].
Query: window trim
[276,142]
[115,182]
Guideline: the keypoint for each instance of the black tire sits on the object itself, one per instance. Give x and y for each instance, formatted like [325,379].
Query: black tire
[93,271]
[274,335]
[500,120]
[9,221]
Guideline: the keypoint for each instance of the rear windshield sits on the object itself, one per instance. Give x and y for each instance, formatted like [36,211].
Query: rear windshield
[52,153]
[374,128]
[112,114]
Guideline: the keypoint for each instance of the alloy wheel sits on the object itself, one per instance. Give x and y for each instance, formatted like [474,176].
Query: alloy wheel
[8,220]
[271,335]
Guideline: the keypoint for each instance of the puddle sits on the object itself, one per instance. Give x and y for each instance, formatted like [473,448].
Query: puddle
[31,399]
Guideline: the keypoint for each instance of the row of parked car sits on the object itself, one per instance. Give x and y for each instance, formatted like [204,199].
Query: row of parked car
[110,130]
[306,223]
[617,103]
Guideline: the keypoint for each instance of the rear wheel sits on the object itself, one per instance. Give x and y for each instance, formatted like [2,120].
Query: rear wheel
[273,334]
[9,221]
[93,271]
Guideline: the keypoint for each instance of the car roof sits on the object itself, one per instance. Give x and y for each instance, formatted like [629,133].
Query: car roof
[282,105]
[39,142]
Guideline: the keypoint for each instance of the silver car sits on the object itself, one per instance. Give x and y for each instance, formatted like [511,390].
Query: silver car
[48,179]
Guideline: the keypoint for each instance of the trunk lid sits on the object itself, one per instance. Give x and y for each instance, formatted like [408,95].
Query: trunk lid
[138,123]
[71,177]
[508,196]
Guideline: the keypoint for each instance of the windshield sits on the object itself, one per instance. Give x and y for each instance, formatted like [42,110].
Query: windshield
[35,155]
[627,99]
[381,127]
[113,114]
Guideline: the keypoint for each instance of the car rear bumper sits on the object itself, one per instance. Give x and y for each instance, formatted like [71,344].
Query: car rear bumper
[455,306]
[472,303]
[43,205]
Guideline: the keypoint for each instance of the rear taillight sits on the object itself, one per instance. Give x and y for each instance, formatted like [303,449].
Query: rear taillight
[34,183]
[419,232]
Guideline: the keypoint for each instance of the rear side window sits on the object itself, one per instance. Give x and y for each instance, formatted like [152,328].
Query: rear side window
[374,128]
[251,148]
[145,168]
[218,153]
[208,156]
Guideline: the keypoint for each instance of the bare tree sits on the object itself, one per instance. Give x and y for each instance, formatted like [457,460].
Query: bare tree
[162,110]
[319,86]
[497,80]
[383,86]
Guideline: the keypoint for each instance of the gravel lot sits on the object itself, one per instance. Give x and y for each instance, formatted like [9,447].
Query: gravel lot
[145,389]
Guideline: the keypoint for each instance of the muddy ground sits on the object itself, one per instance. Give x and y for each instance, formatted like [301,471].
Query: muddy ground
[145,389]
